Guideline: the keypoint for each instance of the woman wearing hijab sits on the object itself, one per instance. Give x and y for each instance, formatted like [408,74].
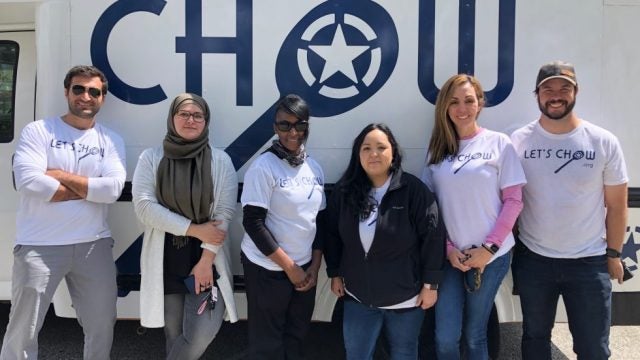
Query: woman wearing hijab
[184,192]
[282,195]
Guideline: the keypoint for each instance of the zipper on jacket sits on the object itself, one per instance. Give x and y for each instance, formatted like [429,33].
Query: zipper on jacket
[368,280]
[392,187]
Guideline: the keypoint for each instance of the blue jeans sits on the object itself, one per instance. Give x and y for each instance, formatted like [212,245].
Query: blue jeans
[586,291]
[362,325]
[459,311]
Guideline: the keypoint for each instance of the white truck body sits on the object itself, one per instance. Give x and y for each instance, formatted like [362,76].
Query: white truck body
[242,55]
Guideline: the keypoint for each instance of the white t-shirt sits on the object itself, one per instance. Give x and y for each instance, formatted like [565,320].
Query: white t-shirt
[468,187]
[97,153]
[367,227]
[293,198]
[564,213]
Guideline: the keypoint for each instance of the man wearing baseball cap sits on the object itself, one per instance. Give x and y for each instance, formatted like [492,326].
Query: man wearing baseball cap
[572,226]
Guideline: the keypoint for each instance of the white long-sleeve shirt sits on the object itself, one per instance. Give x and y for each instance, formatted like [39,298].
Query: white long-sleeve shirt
[96,153]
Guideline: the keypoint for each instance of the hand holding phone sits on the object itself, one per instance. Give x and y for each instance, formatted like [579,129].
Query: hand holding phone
[627,273]
[190,283]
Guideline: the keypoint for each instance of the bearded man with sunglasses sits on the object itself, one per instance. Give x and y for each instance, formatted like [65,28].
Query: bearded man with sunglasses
[67,170]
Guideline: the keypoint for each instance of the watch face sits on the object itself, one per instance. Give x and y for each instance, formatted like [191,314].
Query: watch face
[613,253]
[495,247]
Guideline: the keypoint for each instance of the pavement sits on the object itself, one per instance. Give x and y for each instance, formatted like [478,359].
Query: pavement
[61,338]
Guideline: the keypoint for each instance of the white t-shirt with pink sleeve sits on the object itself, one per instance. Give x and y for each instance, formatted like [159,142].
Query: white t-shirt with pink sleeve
[468,187]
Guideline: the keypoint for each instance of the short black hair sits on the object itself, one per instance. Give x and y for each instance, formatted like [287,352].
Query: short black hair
[87,71]
[294,105]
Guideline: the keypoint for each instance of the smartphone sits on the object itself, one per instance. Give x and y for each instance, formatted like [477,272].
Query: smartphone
[627,273]
[190,283]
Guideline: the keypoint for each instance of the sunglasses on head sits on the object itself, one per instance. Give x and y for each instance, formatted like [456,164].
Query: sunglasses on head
[285,126]
[80,90]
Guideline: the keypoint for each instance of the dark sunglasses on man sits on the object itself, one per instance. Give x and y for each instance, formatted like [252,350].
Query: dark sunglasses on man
[78,90]
[286,126]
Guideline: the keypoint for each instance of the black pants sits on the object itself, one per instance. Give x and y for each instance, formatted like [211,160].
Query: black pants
[278,315]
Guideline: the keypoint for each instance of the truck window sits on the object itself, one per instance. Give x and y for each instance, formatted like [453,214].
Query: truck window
[8,71]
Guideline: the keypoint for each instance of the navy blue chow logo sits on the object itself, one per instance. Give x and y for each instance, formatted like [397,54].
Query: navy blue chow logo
[338,55]
[81,149]
[466,158]
[569,156]
[576,156]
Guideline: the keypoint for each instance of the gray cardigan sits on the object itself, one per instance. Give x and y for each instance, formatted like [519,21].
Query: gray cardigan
[157,220]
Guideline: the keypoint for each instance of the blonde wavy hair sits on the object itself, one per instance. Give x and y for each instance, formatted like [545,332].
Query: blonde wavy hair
[444,137]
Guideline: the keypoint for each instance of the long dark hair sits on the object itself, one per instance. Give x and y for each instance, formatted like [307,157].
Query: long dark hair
[354,184]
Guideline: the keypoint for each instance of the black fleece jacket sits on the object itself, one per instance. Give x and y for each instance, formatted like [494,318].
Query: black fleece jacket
[408,248]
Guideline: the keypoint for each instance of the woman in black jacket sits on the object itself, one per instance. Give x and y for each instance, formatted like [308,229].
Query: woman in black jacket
[385,247]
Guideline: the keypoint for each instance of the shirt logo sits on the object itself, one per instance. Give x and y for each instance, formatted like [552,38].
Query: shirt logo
[570,156]
[466,158]
[80,149]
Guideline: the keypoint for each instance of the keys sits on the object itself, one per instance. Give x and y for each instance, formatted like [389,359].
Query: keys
[210,299]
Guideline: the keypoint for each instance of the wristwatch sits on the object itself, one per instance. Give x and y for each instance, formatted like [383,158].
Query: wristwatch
[431,286]
[613,253]
[490,247]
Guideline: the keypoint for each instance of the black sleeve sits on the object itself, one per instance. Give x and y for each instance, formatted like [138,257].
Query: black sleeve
[253,218]
[332,242]
[431,231]
[318,241]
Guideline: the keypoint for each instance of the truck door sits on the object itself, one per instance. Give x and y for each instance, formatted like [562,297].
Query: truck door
[17,97]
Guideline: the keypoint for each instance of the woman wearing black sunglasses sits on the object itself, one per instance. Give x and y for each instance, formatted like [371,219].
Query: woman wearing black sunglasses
[185,192]
[282,195]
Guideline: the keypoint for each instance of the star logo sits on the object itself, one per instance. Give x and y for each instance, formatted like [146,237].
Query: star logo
[630,248]
[338,56]
[340,77]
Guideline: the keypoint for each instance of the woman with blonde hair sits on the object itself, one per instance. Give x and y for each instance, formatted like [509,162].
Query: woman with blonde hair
[477,178]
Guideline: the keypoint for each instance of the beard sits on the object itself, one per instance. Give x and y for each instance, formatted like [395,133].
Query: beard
[86,112]
[548,112]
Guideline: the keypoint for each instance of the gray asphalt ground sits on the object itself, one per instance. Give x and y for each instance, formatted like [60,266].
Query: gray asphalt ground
[62,339]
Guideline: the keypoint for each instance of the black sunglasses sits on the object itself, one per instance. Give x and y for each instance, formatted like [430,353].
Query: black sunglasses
[286,126]
[79,90]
